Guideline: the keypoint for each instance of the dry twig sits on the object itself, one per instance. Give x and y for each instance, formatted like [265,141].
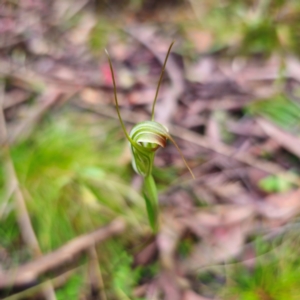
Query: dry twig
[95,275]
[32,270]
[57,282]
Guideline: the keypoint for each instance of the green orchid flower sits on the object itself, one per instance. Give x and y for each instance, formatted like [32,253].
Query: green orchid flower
[145,138]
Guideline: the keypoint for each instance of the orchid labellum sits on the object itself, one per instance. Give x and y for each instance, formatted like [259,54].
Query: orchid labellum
[145,138]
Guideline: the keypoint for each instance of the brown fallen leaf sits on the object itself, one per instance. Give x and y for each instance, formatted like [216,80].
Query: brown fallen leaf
[167,240]
[15,97]
[232,191]
[191,295]
[94,96]
[143,96]
[255,176]
[202,40]
[140,290]
[223,230]
[245,127]
[285,139]
[146,255]
[80,34]
[293,67]
[281,206]
[201,70]
[213,129]
[220,215]
[171,285]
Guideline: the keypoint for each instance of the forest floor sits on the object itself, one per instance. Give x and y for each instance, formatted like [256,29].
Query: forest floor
[73,223]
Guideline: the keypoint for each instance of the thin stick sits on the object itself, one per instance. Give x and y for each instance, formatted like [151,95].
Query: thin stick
[57,282]
[160,80]
[30,271]
[95,272]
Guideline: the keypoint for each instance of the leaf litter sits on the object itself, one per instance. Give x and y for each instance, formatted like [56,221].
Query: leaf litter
[235,116]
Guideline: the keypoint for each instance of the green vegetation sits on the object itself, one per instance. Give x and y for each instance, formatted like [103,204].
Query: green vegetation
[248,27]
[282,111]
[276,184]
[275,274]
[75,173]
[69,172]
[72,289]
[69,175]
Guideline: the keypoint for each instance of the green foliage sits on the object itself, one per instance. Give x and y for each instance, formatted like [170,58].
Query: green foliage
[278,109]
[124,277]
[8,231]
[274,183]
[72,182]
[99,35]
[260,37]
[248,27]
[185,247]
[120,274]
[275,274]
[72,289]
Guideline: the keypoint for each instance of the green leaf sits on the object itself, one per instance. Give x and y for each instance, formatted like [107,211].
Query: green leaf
[279,109]
[150,195]
[275,184]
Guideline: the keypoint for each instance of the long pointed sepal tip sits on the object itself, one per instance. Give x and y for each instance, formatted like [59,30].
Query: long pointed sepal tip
[160,80]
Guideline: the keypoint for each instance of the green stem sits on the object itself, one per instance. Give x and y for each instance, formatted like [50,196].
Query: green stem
[151,199]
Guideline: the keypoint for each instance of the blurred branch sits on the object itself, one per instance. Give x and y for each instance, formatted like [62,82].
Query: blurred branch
[96,280]
[57,282]
[30,271]
[23,218]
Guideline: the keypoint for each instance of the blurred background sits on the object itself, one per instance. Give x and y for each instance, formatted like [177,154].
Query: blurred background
[73,223]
